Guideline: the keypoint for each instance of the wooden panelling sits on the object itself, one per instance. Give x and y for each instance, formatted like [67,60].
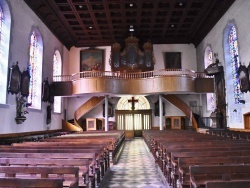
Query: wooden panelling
[134,86]
[62,88]
[204,85]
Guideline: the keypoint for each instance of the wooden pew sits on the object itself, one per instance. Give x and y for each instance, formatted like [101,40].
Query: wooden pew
[96,148]
[169,142]
[199,175]
[83,165]
[185,163]
[102,160]
[170,164]
[228,184]
[31,182]
[93,175]
[176,155]
[68,174]
[102,157]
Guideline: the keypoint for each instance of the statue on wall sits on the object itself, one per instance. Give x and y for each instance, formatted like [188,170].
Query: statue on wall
[20,108]
[19,84]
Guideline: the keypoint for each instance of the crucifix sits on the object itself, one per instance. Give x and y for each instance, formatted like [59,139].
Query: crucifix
[133,101]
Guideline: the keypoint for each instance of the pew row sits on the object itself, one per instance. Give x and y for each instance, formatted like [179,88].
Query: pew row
[170,146]
[31,182]
[91,154]
[200,175]
[68,174]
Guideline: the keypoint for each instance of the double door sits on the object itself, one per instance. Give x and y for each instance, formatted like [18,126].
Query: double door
[133,122]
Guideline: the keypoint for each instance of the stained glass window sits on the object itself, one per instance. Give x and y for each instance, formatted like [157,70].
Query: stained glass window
[5,23]
[35,68]
[235,63]
[1,41]
[1,27]
[208,60]
[57,70]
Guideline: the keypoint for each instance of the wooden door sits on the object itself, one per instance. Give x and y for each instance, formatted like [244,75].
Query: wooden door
[247,120]
[133,122]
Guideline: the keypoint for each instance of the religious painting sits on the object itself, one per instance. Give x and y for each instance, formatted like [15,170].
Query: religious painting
[25,83]
[45,91]
[176,123]
[91,60]
[14,79]
[172,60]
[91,124]
[244,78]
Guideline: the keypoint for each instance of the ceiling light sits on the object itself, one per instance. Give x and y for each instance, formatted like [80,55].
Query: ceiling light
[180,4]
[131,4]
[80,6]
[90,27]
[131,28]
[172,25]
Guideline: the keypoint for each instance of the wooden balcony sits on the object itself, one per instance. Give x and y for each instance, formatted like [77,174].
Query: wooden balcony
[167,81]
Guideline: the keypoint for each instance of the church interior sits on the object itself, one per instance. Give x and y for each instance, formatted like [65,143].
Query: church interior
[128,94]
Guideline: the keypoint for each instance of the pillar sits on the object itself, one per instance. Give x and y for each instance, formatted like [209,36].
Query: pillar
[160,112]
[106,113]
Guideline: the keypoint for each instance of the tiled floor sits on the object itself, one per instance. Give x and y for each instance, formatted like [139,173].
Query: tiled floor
[135,168]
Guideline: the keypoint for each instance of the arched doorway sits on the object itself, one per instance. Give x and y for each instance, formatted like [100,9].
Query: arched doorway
[133,114]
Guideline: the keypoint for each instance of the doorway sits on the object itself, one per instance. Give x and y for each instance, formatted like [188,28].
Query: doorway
[133,115]
[133,122]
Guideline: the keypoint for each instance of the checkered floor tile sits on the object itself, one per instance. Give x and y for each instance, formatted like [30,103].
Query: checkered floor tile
[135,168]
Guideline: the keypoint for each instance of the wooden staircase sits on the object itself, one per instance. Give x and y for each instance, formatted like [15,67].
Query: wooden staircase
[183,107]
[73,125]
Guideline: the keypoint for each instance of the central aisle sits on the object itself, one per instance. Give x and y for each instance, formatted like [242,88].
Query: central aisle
[135,168]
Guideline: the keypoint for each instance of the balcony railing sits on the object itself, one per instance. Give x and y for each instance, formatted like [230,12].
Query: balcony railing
[129,75]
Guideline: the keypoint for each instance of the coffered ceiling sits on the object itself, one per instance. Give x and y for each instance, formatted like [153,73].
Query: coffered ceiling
[90,23]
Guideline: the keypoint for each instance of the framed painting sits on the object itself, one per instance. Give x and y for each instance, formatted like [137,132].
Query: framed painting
[25,83]
[91,60]
[91,124]
[14,79]
[172,60]
[244,78]
[176,123]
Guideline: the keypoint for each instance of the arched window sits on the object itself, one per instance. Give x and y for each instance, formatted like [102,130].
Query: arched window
[57,71]
[35,68]
[208,60]
[232,63]
[235,64]
[5,23]
[141,104]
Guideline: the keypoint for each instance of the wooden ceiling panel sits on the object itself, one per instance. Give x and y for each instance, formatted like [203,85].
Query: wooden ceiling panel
[91,23]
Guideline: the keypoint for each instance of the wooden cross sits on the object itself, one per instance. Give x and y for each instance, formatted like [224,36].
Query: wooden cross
[133,101]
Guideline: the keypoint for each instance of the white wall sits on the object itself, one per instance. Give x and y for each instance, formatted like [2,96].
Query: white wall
[23,20]
[240,14]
